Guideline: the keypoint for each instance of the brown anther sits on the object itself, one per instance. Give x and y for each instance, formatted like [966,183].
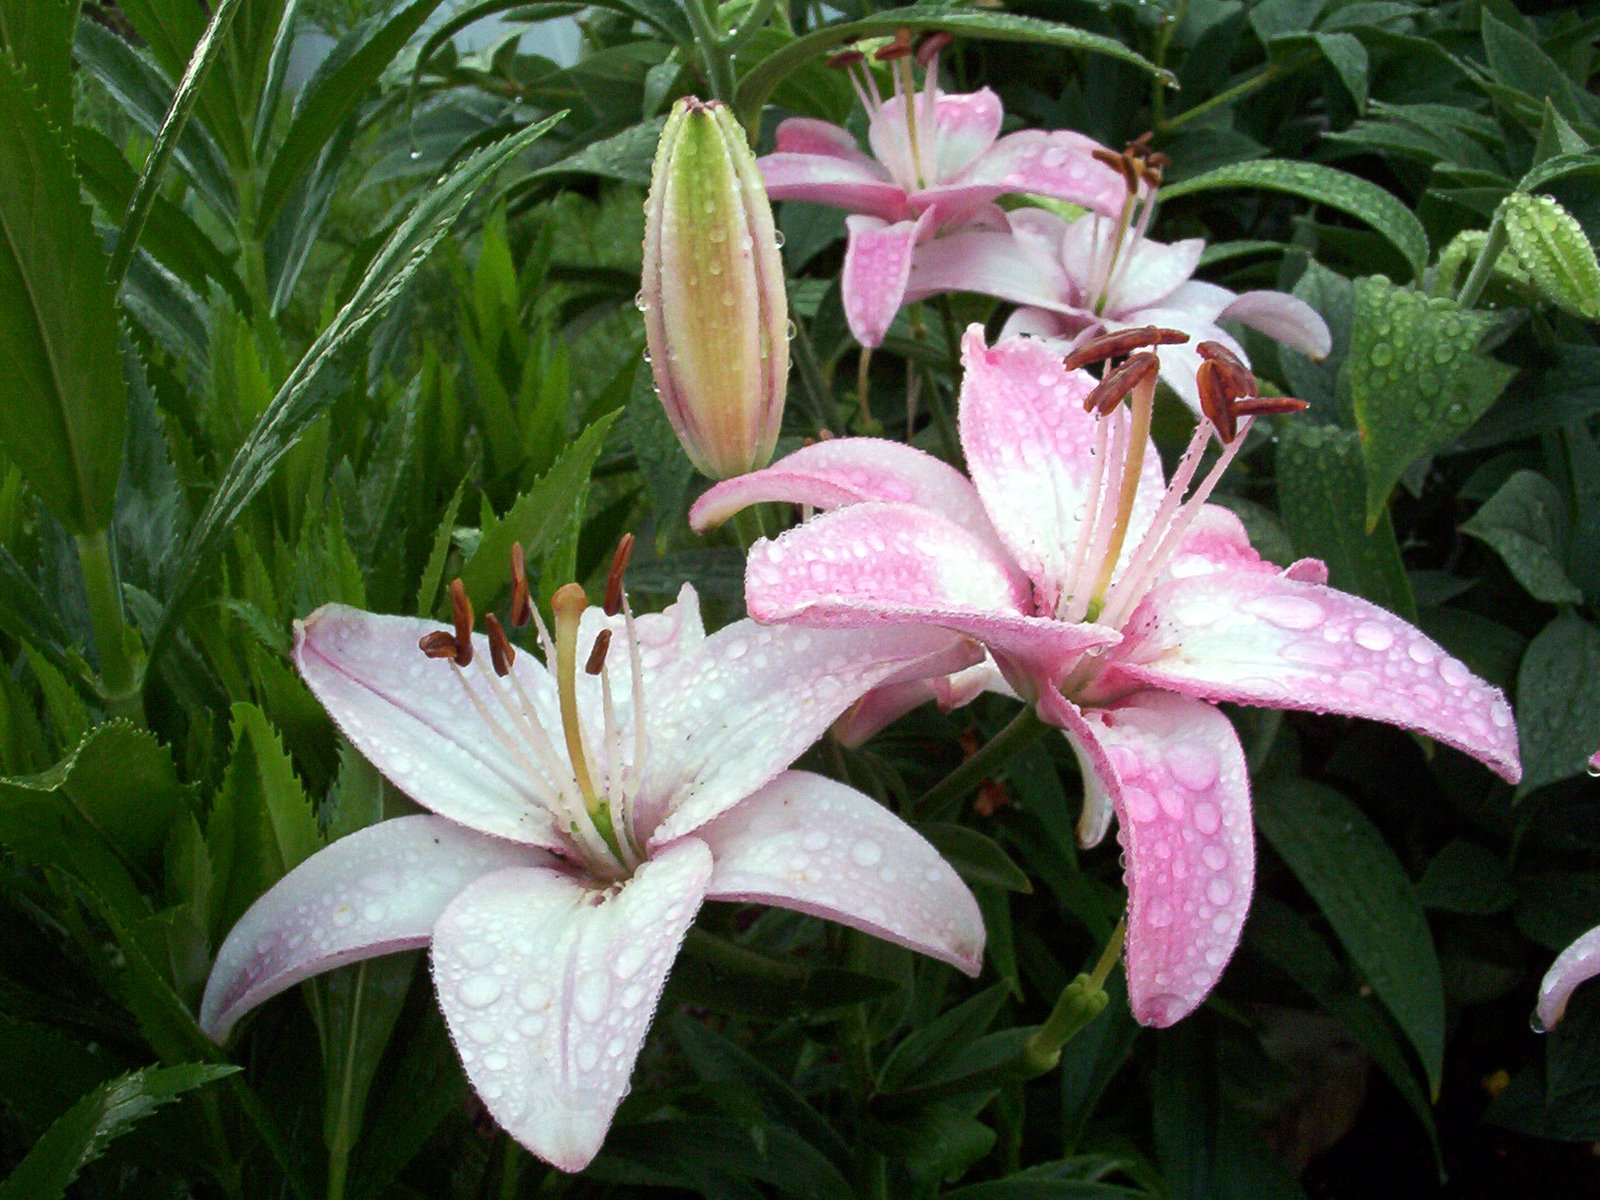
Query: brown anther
[438,644]
[619,564]
[1140,146]
[1151,174]
[929,47]
[842,60]
[1114,388]
[501,652]
[1123,341]
[1159,160]
[461,610]
[1268,406]
[1237,383]
[1214,401]
[597,655]
[521,605]
[899,48]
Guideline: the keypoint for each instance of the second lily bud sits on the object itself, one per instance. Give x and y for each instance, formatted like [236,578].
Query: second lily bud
[715,315]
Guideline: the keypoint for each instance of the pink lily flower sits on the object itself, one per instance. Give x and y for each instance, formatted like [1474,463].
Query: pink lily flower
[579,820]
[937,162]
[1122,606]
[1574,965]
[1094,275]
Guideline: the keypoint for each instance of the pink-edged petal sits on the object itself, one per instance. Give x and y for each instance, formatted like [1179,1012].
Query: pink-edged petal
[819,847]
[807,135]
[877,263]
[884,705]
[992,264]
[1283,318]
[1054,329]
[1174,772]
[1029,447]
[1058,164]
[857,187]
[1216,541]
[1146,271]
[548,985]
[378,891]
[1273,640]
[841,471]
[883,564]
[411,716]
[1577,963]
[756,698]
[964,126]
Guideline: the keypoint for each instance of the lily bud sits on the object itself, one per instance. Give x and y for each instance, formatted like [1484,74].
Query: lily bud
[715,315]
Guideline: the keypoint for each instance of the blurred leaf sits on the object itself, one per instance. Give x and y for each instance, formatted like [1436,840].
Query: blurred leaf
[1518,62]
[66,402]
[699,1152]
[1553,249]
[1360,886]
[923,1055]
[978,859]
[83,1132]
[625,156]
[1558,701]
[666,468]
[1464,877]
[726,977]
[1525,522]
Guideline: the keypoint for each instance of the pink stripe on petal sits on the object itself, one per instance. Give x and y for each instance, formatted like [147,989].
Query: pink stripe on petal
[1173,769]
[817,179]
[1574,965]
[378,891]
[884,705]
[819,847]
[548,985]
[1058,164]
[807,135]
[877,263]
[1279,642]
[1283,318]
[993,264]
[965,125]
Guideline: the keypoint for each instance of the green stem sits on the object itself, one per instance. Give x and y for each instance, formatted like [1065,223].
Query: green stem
[1025,729]
[119,675]
[1239,89]
[1483,269]
[754,20]
[1158,85]
[702,16]
[749,526]
[1081,1001]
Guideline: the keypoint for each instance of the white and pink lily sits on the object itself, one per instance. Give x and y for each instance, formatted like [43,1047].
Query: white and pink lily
[1577,964]
[1077,279]
[937,162]
[1123,607]
[579,819]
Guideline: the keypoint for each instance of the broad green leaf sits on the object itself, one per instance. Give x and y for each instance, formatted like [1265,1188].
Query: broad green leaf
[1526,524]
[1417,379]
[1464,877]
[1321,494]
[1553,249]
[666,468]
[757,84]
[60,353]
[300,400]
[38,35]
[28,617]
[625,156]
[1559,167]
[1517,61]
[539,516]
[1363,200]
[1558,701]
[926,1053]
[84,1131]
[1340,857]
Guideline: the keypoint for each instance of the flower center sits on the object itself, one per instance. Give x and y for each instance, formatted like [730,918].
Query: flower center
[914,161]
[1141,171]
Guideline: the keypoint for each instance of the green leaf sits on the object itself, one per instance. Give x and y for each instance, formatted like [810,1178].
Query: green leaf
[1552,247]
[438,555]
[1464,877]
[978,859]
[1363,200]
[1526,524]
[626,157]
[83,1132]
[300,400]
[1517,61]
[757,84]
[60,352]
[1558,701]
[1358,883]
[1559,167]
[926,1054]
[1417,379]
[1321,494]
[726,977]
[38,35]
[539,516]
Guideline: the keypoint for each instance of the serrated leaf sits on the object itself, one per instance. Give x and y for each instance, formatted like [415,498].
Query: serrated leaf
[625,156]
[438,554]
[1525,522]
[83,1132]
[1417,379]
[1341,859]
[65,404]
[1558,701]
[1552,248]
[1365,201]
[38,34]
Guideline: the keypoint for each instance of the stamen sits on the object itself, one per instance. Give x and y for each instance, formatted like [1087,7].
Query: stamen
[843,60]
[597,655]
[636,678]
[897,49]
[1214,401]
[1114,388]
[501,652]
[438,644]
[1124,341]
[928,49]
[568,604]
[617,809]
[1269,406]
[1235,377]
[1143,405]
[521,604]
[461,609]
[619,564]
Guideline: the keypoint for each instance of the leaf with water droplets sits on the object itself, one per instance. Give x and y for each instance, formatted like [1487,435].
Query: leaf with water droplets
[1558,701]
[1417,377]
[1358,883]
[1552,247]
[1526,523]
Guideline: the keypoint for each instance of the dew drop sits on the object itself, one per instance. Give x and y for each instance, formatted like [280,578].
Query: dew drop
[1372,636]
[480,991]
[1535,1024]
[778,238]
[866,853]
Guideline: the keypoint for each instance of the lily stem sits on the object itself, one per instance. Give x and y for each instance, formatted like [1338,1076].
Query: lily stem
[1478,277]
[119,677]
[1025,729]
[1081,1001]
[1243,88]
[713,48]
[1158,86]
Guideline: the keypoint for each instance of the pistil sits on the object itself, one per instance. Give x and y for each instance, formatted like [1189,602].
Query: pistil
[567,605]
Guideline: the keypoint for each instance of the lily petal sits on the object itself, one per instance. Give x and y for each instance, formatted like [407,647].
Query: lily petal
[418,725]
[885,564]
[964,126]
[819,847]
[1057,163]
[378,891]
[728,721]
[882,706]
[1173,770]
[1146,272]
[844,471]
[993,264]
[548,987]
[1577,963]
[807,135]
[877,263]
[1283,318]
[857,187]
[1276,641]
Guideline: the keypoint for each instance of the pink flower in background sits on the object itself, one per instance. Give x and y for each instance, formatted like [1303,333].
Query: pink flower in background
[581,817]
[1094,275]
[1122,606]
[1576,964]
[937,162]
